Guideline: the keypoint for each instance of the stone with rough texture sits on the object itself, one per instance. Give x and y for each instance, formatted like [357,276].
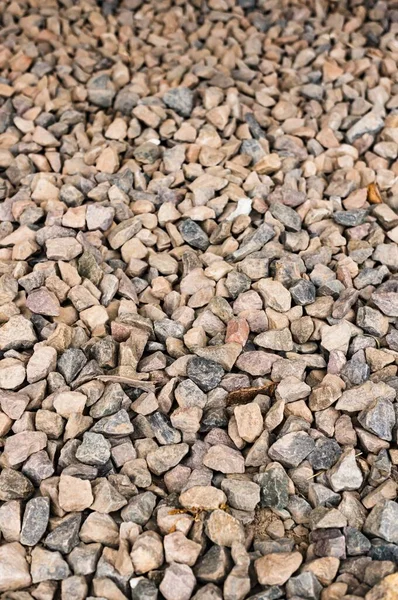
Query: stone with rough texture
[14,568]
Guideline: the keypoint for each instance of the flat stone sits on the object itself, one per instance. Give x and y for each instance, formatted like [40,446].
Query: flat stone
[275,340]
[43,302]
[166,457]
[274,294]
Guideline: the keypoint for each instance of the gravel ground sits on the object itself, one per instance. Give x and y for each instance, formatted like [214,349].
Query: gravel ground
[198,300]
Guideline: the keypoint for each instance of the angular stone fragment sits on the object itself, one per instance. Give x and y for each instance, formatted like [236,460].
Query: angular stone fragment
[206,497]
[14,568]
[274,294]
[14,485]
[249,421]
[35,520]
[379,418]
[41,363]
[74,494]
[65,536]
[224,459]
[382,521]
[48,566]
[147,552]
[17,333]
[274,486]
[180,549]
[95,449]
[275,340]
[166,457]
[345,474]
[241,494]
[223,529]
[43,302]
[276,569]
[21,445]
[206,373]
[292,448]
[180,99]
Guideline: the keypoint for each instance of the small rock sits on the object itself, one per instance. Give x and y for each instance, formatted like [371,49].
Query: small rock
[276,569]
[35,520]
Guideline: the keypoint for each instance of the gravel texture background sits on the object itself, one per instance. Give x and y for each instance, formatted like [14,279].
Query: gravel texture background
[198,300]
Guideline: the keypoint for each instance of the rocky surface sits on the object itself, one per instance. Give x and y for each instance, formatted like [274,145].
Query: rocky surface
[198,300]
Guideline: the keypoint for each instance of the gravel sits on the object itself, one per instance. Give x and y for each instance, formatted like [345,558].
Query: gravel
[198,300]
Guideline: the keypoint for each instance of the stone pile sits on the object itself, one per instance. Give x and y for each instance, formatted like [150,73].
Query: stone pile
[198,300]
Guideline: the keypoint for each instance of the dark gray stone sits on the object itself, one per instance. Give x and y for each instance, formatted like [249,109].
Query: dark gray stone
[274,486]
[379,418]
[357,544]
[117,424]
[355,372]
[207,374]
[139,509]
[71,363]
[144,590]
[350,218]
[181,100]
[193,234]
[383,521]
[14,485]
[214,565]
[324,455]
[291,449]
[303,292]
[167,328]
[237,283]
[305,585]
[65,536]
[286,215]
[95,450]
[164,432]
